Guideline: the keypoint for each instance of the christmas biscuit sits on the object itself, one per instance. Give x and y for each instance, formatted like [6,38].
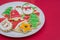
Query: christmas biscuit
[5,25]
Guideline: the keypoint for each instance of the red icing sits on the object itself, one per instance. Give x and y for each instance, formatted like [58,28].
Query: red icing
[36,12]
[27,8]
[18,6]
[7,16]
[14,23]
[26,17]
[14,14]
[1,19]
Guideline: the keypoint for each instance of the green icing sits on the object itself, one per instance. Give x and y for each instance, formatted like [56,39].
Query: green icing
[33,20]
[33,7]
[7,11]
[26,4]
[23,16]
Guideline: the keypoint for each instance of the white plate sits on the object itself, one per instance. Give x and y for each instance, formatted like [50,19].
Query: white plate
[15,34]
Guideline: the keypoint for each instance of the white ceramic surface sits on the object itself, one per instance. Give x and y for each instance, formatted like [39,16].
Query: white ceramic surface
[15,34]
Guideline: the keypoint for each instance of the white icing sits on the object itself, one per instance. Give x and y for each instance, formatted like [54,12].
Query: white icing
[28,11]
[3,27]
[20,24]
[26,5]
[15,18]
[19,10]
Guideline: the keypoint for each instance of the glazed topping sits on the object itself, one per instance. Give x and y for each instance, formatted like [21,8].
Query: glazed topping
[21,18]
[6,25]
[14,14]
[25,27]
[7,11]
[26,17]
[1,19]
[36,12]
[15,23]
[33,20]
[19,9]
[27,9]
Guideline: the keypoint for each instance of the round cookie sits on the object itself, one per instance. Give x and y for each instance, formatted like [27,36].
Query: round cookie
[27,8]
[5,25]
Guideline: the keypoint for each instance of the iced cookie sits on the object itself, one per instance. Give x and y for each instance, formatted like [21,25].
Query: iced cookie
[19,9]
[16,25]
[17,29]
[25,27]
[26,17]
[5,25]
[33,20]
[36,12]
[14,15]
[27,9]
[6,13]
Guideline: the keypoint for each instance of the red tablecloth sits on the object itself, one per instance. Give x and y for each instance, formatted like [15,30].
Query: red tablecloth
[51,29]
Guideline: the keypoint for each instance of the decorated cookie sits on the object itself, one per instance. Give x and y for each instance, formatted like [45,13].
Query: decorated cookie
[26,17]
[27,8]
[6,13]
[17,29]
[25,27]
[14,15]
[16,25]
[19,9]
[33,20]
[5,25]
[20,18]
[36,12]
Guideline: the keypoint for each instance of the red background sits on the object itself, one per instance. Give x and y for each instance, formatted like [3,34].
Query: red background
[51,29]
